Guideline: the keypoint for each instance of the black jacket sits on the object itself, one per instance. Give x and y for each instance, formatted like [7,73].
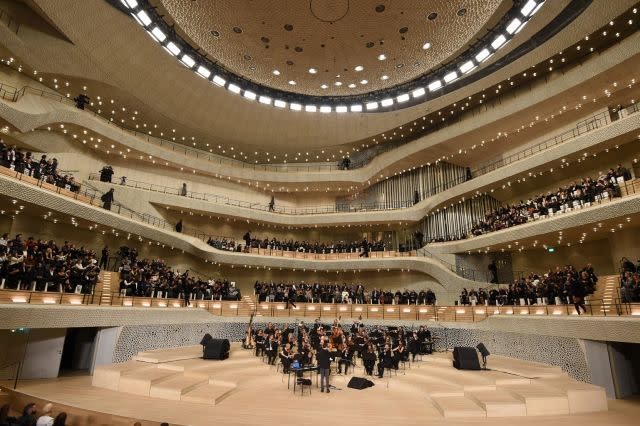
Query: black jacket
[324,358]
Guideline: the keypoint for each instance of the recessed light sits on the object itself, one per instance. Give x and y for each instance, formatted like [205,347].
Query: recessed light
[426,46]
[312,71]
[275,72]
[352,85]
[364,81]
[338,83]
[382,57]
[291,82]
[384,77]
[359,68]
[324,86]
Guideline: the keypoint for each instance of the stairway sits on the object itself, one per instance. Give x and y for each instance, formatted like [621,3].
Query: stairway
[109,283]
[606,292]
[249,304]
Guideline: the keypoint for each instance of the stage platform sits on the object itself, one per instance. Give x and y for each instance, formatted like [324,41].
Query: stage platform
[177,386]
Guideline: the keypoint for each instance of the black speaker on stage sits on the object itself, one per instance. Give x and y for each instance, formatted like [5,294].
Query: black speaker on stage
[359,383]
[216,349]
[465,358]
[206,339]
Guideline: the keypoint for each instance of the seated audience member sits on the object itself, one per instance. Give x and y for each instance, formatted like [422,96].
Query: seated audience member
[28,417]
[5,418]
[45,419]
[60,420]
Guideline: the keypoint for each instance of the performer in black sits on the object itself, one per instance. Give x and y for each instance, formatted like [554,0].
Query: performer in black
[369,359]
[324,358]
[271,347]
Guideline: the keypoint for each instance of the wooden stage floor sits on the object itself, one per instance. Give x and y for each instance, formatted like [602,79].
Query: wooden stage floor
[245,391]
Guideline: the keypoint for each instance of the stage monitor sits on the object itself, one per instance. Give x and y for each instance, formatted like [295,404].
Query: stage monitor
[465,358]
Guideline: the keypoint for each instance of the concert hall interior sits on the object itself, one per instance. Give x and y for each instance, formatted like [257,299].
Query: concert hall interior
[243,212]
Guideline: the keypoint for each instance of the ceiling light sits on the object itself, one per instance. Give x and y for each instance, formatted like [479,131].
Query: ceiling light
[143,18]
[292,82]
[158,34]
[249,95]
[467,66]
[426,46]
[528,8]
[188,61]
[482,55]
[359,68]
[384,77]
[352,85]
[172,48]
[418,92]
[233,88]
[499,41]
[313,71]
[338,83]
[264,100]
[386,102]
[364,81]
[403,98]
[356,108]
[450,77]
[325,109]
[382,57]
[371,106]
[324,86]
[131,3]
[341,108]
[435,85]
[310,108]
[204,72]
[295,107]
[219,80]
[279,104]
[513,26]
[275,72]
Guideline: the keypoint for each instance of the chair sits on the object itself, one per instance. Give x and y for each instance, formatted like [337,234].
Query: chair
[302,382]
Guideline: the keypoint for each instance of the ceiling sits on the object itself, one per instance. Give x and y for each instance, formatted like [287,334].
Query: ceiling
[332,47]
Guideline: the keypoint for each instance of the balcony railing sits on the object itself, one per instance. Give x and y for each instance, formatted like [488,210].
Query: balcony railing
[596,308]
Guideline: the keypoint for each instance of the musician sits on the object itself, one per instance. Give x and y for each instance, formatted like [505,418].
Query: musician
[369,359]
[385,360]
[346,356]
[271,347]
[270,329]
[302,331]
[286,358]
[414,346]
[324,357]
[260,341]
[305,354]
[399,354]
[424,335]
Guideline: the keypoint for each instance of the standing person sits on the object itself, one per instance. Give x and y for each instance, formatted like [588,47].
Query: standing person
[183,191]
[104,258]
[272,203]
[493,270]
[107,199]
[179,226]
[416,197]
[291,297]
[577,289]
[365,248]
[324,359]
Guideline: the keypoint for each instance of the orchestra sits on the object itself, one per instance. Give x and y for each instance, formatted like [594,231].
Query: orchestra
[376,348]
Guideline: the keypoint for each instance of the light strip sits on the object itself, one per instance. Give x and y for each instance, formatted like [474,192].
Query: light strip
[279,104]
[371,106]
[356,108]
[295,107]
[173,48]
[483,55]
[265,100]
[403,98]
[435,85]
[249,95]
[310,108]
[448,78]
[419,92]
[204,72]
[188,61]
[467,66]
[386,102]
[143,18]
[219,80]
[233,88]
[341,109]
[498,42]
[158,34]
[513,26]
[528,8]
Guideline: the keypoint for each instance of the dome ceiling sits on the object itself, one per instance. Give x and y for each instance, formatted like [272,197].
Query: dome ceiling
[332,47]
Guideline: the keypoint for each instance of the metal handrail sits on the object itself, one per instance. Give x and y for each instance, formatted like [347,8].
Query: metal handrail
[584,126]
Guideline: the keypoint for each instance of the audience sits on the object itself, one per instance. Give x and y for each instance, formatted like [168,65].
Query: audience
[45,419]
[556,286]
[629,281]
[338,293]
[154,278]
[43,265]
[587,191]
[43,169]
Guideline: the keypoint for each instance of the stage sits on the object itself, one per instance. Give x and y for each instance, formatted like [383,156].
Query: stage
[175,385]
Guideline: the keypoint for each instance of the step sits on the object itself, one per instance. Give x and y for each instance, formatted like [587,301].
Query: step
[174,387]
[210,393]
[168,355]
[583,397]
[139,381]
[540,400]
[108,376]
[498,403]
[457,407]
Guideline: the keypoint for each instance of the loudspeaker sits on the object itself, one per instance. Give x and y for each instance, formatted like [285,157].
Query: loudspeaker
[465,358]
[359,383]
[483,350]
[206,339]
[216,349]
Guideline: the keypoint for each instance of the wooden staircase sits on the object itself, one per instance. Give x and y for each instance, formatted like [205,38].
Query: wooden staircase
[248,303]
[606,293]
[108,284]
